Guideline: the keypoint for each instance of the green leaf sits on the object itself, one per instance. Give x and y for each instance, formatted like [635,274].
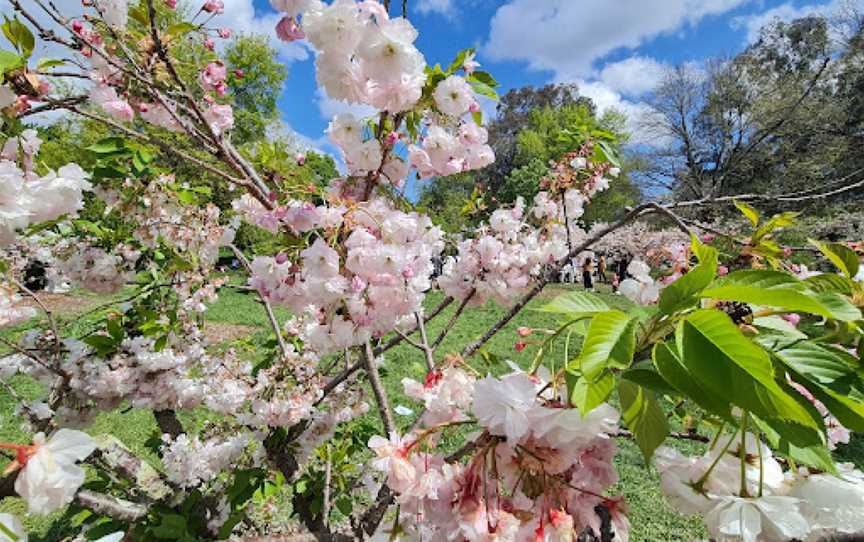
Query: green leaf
[839,307]
[9,61]
[830,282]
[780,220]
[345,505]
[172,527]
[575,304]
[816,455]
[643,416]
[725,361]
[610,342]
[456,65]
[586,395]
[827,305]
[478,118]
[775,323]
[485,90]
[645,375]
[761,278]
[751,213]
[19,35]
[483,77]
[830,374]
[683,292]
[179,29]
[103,344]
[108,145]
[843,257]
[45,63]
[672,369]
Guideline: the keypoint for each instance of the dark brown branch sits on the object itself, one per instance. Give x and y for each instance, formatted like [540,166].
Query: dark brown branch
[62,103]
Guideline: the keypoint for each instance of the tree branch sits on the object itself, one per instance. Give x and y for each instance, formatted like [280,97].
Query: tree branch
[274,323]
[113,507]
[368,357]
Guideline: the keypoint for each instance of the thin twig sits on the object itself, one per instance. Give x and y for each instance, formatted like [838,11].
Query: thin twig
[428,351]
[274,323]
[453,319]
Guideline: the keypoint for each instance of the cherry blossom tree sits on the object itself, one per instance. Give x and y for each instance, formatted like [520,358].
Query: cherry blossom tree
[354,268]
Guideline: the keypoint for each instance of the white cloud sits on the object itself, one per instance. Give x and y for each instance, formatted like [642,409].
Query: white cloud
[329,108]
[788,12]
[634,76]
[240,16]
[442,7]
[567,37]
[605,98]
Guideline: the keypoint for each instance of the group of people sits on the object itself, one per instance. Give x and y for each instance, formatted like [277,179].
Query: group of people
[606,272]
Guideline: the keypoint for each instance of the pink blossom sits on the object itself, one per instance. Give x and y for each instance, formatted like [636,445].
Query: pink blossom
[209,44]
[722,270]
[219,117]
[224,33]
[214,6]
[171,4]
[288,30]
[792,317]
[213,76]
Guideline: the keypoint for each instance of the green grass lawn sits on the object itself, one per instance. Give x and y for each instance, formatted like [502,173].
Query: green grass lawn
[651,517]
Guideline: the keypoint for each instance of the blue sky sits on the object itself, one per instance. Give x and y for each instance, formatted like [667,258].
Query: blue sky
[614,49]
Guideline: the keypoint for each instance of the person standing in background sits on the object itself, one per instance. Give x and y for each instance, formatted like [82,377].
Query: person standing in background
[601,269]
[587,269]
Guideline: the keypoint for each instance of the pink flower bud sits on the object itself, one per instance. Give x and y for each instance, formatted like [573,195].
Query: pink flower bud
[520,346]
[708,237]
[392,138]
[224,33]
[722,270]
[214,6]
[77,26]
[792,318]
[238,73]
[301,158]
[172,4]
[787,251]
[524,331]
[209,44]
[288,30]
[281,258]
[474,107]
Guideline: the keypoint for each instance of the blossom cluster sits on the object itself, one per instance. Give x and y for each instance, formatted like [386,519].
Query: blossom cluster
[27,198]
[538,473]
[774,505]
[109,71]
[365,57]
[374,282]
[190,462]
[446,151]
[500,262]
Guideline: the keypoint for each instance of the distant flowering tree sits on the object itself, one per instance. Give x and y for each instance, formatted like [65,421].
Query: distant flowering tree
[355,265]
